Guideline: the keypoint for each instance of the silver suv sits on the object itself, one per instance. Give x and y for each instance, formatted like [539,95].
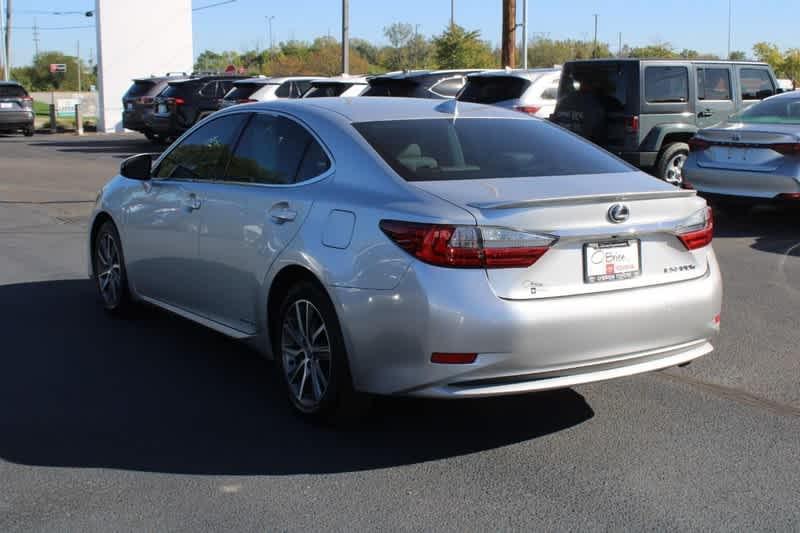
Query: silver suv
[533,91]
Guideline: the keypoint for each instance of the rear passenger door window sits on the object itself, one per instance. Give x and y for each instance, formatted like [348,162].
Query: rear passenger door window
[275,150]
[756,84]
[714,84]
[204,154]
[209,90]
[666,85]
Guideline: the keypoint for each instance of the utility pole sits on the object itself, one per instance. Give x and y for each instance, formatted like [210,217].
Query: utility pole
[35,38]
[78,66]
[2,39]
[509,42]
[269,29]
[730,20]
[525,34]
[8,40]
[345,36]
[594,48]
[416,46]
[452,13]
[619,47]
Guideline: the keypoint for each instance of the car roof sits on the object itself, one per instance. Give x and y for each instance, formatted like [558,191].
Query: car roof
[196,79]
[379,108]
[529,74]
[664,60]
[344,78]
[262,80]
[418,74]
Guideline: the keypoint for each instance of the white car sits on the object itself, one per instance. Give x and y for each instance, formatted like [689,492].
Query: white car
[261,89]
[342,86]
[533,91]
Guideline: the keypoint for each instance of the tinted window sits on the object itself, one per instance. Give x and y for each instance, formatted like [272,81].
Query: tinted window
[284,91]
[448,88]
[713,84]
[209,90]
[203,154]
[756,84]
[326,89]
[223,87]
[603,84]
[780,110]
[551,93]
[390,88]
[666,84]
[12,91]
[174,90]
[493,89]
[301,87]
[140,88]
[477,148]
[241,92]
[277,151]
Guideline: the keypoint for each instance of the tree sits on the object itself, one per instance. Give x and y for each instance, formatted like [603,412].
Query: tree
[458,48]
[791,64]
[548,52]
[737,55]
[399,34]
[655,51]
[37,77]
[769,53]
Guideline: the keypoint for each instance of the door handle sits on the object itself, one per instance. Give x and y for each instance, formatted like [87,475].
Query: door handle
[705,113]
[281,213]
[192,202]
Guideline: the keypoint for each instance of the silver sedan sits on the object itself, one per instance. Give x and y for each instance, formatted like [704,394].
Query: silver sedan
[411,247]
[753,157]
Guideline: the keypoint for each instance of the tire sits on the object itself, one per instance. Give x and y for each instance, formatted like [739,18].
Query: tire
[108,266]
[669,166]
[28,132]
[318,382]
[150,136]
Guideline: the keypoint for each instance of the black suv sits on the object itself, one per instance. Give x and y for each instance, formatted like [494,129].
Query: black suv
[419,83]
[16,109]
[137,103]
[184,102]
[646,110]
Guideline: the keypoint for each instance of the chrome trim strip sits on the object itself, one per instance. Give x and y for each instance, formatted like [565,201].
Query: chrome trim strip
[584,199]
[211,324]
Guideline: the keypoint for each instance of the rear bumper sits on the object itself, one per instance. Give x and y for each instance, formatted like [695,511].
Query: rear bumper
[741,184]
[16,119]
[522,346]
[639,159]
[164,124]
[134,120]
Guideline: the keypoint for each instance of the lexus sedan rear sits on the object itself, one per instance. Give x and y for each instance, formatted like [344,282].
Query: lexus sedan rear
[411,247]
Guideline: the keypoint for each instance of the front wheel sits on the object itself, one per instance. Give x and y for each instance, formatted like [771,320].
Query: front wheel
[312,357]
[670,163]
[109,270]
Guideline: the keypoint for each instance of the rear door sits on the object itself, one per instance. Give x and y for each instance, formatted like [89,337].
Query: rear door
[755,84]
[253,211]
[715,97]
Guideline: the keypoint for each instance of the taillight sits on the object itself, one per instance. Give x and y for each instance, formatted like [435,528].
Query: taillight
[245,101]
[453,358]
[27,101]
[793,196]
[145,100]
[529,109]
[786,148]
[178,101]
[632,124]
[698,145]
[468,246]
[697,230]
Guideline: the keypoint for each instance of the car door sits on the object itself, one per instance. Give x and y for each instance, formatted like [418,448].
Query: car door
[255,210]
[162,218]
[715,98]
[755,84]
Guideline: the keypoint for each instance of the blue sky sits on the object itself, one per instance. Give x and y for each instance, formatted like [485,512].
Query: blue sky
[697,24]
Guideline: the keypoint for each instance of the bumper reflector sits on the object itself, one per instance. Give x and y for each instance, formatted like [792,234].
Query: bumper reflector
[717,319]
[453,358]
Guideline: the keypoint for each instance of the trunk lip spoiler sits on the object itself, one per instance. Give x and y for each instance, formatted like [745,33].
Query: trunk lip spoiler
[584,199]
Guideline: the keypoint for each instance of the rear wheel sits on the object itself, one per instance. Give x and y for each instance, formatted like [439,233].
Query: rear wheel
[312,357]
[670,163]
[109,270]
[28,132]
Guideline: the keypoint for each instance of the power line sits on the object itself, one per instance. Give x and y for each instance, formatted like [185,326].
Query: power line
[213,5]
[40,28]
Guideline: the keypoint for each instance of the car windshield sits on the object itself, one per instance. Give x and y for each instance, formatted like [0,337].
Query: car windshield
[479,148]
[12,91]
[772,111]
[140,88]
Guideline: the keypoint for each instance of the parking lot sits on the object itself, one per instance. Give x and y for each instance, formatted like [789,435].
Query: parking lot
[157,423]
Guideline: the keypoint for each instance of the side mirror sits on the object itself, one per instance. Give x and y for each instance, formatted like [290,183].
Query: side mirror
[137,167]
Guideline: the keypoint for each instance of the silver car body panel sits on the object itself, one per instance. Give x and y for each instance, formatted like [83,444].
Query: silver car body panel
[395,310]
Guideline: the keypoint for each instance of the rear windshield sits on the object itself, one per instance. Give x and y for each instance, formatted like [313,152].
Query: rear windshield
[176,89]
[606,84]
[390,88]
[773,111]
[480,148]
[140,88]
[242,92]
[493,89]
[319,90]
[12,91]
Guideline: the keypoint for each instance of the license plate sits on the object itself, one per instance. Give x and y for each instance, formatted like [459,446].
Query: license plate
[6,105]
[611,260]
[162,109]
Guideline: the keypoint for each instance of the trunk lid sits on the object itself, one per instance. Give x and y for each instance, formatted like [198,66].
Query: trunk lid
[575,210]
[747,147]
[14,98]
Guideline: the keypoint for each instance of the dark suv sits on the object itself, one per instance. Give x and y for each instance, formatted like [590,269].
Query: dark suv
[184,102]
[137,103]
[645,110]
[419,83]
[16,109]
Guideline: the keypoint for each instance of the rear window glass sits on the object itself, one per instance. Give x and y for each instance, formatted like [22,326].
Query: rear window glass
[390,88]
[603,84]
[448,88]
[772,111]
[241,92]
[178,89]
[666,85]
[756,84]
[493,89]
[12,91]
[320,90]
[480,148]
[140,88]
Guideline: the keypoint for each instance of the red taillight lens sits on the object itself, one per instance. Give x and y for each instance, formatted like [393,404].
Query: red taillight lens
[697,230]
[788,196]
[632,124]
[467,246]
[698,145]
[454,358]
[178,101]
[246,101]
[786,148]
[529,109]
[27,101]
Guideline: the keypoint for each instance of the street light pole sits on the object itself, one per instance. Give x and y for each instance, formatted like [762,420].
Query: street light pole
[452,13]
[345,37]
[730,18]
[594,50]
[525,34]
[8,40]
[3,39]
[269,29]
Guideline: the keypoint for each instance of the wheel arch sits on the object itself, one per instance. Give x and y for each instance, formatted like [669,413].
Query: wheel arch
[666,134]
[99,219]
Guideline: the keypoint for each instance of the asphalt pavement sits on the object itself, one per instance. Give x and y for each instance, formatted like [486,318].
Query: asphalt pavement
[155,423]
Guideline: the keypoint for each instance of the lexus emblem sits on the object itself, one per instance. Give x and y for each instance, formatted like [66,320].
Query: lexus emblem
[618,213]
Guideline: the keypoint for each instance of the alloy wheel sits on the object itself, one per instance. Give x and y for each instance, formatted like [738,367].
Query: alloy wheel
[306,352]
[109,271]
[674,174]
